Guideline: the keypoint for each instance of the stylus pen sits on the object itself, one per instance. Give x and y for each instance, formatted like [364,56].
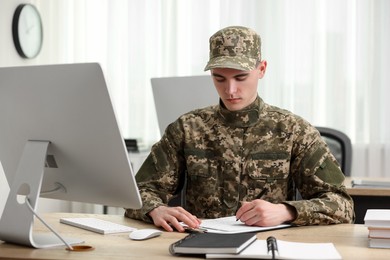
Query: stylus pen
[259,196]
[272,246]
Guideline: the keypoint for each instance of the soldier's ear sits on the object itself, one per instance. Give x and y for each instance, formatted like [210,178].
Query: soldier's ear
[262,68]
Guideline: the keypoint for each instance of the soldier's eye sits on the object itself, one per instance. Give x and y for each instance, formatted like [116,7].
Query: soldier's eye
[219,79]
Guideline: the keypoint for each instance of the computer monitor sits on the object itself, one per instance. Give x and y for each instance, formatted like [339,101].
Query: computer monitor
[59,139]
[174,96]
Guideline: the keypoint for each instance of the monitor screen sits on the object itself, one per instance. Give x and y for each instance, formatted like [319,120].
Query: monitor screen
[64,112]
[68,105]
[175,96]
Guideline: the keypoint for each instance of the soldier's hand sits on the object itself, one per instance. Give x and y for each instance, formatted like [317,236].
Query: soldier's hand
[169,218]
[263,213]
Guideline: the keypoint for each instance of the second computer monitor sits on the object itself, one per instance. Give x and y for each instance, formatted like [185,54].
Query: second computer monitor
[175,96]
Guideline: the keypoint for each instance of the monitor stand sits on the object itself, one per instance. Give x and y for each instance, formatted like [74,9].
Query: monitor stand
[16,223]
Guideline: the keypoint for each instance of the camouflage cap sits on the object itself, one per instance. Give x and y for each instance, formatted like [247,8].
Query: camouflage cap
[234,47]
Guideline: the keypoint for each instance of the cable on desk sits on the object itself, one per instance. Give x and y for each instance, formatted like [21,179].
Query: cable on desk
[69,247]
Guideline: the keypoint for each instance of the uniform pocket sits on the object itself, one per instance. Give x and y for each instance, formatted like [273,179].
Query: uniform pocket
[270,171]
[268,167]
[200,162]
[202,171]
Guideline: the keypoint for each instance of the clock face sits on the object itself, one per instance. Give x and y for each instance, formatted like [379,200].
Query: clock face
[27,31]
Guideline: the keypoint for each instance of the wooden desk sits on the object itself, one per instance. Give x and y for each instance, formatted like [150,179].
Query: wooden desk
[350,240]
[367,198]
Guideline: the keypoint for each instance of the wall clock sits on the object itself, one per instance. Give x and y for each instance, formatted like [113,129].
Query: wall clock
[27,31]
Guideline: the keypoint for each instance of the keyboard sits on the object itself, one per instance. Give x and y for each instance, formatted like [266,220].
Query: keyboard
[97,225]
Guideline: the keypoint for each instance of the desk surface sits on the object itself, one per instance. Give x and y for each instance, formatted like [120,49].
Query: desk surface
[350,240]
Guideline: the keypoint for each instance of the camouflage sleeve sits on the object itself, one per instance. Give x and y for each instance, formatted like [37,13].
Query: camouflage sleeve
[319,179]
[158,177]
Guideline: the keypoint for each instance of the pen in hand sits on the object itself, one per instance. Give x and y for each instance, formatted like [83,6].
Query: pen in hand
[262,193]
[259,196]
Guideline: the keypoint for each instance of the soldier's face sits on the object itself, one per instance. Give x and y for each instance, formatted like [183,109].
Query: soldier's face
[237,88]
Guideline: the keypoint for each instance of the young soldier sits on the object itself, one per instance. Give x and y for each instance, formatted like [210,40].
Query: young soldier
[231,153]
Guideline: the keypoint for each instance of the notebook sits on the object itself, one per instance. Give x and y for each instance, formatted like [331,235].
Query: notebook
[286,250]
[203,243]
[377,218]
[378,242]
[379,232]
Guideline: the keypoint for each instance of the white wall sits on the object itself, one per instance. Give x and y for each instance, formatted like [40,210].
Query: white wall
[52,52]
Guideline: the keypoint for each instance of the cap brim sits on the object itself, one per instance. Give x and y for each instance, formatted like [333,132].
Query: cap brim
[236,62]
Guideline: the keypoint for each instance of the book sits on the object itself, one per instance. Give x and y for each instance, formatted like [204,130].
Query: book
[229,225]
[378,232]
[203,243]
[379,242]
[377,218]
[285,250]
[370,184]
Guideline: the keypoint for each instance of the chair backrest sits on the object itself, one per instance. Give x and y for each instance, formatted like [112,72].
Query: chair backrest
[340,146]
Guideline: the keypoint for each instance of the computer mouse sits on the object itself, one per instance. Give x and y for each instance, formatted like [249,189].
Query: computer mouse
[142,234]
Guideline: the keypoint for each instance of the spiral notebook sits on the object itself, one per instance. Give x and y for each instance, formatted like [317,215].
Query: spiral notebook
[285,250]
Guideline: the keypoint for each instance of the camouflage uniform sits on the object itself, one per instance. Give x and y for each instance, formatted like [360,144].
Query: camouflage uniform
[231,156]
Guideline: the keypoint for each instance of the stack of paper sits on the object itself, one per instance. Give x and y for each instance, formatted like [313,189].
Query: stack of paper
[378,223]
[230,225]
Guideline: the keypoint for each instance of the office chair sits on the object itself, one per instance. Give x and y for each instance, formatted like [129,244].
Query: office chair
[340,146]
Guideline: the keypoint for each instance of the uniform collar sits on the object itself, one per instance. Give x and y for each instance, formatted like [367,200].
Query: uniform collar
[245,117]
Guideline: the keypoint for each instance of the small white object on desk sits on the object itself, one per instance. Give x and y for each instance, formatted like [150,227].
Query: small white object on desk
[97,225]
[142,234]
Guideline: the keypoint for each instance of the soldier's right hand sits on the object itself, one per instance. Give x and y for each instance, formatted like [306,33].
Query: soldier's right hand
[169,218]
